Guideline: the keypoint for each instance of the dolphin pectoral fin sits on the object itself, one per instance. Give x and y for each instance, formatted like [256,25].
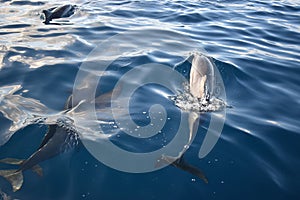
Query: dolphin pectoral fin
[12,161]
[38,170]
[15,178]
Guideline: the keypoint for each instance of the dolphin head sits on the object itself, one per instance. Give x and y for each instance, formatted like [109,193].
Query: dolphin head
[201,76]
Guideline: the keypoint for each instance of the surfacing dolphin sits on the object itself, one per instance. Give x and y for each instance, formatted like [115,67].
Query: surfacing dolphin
[201,86]
[58,139]
[59,12]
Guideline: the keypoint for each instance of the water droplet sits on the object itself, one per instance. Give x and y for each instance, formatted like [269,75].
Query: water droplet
[222,182]
[193,179]
[144,112]
[216,160]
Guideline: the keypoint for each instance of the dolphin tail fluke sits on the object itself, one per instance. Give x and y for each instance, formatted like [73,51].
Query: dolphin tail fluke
[14,161]
[181,164]
[47,14]
[15,178]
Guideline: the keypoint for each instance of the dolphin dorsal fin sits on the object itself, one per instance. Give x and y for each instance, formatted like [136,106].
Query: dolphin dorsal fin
[47,14]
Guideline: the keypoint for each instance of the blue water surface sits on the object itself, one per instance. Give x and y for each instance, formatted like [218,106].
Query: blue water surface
[254,44]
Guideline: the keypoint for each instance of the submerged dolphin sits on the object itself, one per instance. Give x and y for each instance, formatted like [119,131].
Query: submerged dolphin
[55,141]
[201,86]
[59,137]
[58,12]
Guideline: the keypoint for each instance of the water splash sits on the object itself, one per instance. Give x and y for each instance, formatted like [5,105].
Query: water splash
[23,111]
[19,110]
[187,102]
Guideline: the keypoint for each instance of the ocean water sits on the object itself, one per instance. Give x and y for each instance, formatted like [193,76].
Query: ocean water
[255,46]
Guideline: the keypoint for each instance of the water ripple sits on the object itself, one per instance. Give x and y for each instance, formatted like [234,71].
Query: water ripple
[254,44]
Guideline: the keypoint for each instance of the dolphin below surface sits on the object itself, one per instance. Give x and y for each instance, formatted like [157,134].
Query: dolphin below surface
[201,86]
[59,12]
[58,139]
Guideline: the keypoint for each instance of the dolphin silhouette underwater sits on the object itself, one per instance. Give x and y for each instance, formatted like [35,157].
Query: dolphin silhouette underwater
[201,86]
[57,139]
[59,12]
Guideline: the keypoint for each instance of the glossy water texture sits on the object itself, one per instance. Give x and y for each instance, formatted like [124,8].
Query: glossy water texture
[254,44]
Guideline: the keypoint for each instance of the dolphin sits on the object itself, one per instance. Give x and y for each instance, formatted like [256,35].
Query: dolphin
[201,86]
[59,12]
[57,139]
